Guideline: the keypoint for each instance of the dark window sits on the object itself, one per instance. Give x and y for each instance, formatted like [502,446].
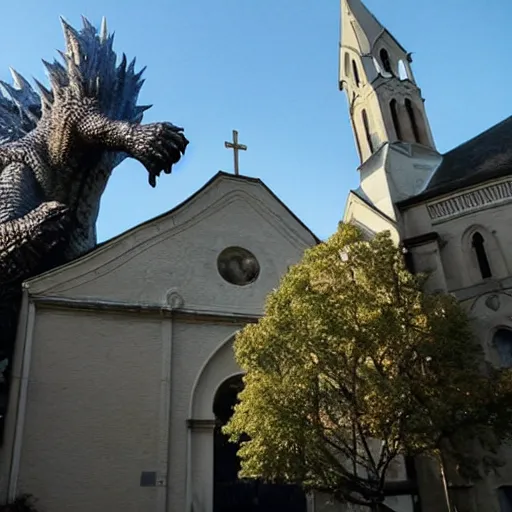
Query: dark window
[358,144]
[412,117]
[367,130]
[478,243]
[505,498]
[502,340]
[356,73]
[384,58]
[393,106]
[408,260]
[229,492]
[410,468]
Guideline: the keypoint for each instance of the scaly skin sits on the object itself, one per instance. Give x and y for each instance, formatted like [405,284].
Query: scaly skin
[52,174]
[70,154]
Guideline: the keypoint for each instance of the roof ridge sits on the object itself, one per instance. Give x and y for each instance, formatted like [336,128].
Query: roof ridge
[487,156]
[480,135]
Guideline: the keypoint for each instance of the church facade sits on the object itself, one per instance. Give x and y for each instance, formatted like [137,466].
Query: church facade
[451,212]
[120,354]
[124,365]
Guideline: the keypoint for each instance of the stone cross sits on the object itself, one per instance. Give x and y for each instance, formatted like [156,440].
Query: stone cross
[236,148]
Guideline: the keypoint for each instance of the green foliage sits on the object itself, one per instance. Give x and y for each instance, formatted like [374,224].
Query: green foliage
[351,350]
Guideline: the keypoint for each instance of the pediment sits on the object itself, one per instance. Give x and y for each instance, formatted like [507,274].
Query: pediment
[172,260]
[368,218]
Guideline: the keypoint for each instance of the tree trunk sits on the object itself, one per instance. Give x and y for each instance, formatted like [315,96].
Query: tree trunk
[445,484]
[431,485]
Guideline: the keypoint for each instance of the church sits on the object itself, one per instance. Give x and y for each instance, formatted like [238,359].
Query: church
[124,368]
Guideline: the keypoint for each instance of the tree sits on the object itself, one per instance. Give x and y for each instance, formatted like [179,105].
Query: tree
[353,365]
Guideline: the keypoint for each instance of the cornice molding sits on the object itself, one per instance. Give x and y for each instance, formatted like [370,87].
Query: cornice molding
[471,201]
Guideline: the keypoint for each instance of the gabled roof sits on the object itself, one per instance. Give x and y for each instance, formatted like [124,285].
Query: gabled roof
[219,176]
[359,193]
[485,157]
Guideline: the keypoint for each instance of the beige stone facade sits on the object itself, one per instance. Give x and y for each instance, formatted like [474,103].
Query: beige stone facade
[451,212]
[441,234]
[120,354]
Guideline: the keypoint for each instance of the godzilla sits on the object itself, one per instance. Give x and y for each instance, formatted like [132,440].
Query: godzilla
[58,148]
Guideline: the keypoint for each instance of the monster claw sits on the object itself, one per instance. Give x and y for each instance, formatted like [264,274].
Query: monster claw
[158,147]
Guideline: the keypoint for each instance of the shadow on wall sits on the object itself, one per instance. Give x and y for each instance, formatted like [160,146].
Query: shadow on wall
[24,503]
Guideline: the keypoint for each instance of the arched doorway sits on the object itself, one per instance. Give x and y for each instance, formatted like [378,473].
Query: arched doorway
[231,494]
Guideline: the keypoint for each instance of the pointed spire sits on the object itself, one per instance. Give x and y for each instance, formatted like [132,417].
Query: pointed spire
[368,57]
[359,27]
[362,40]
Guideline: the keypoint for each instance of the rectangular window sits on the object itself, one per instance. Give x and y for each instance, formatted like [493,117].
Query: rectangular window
[505,498]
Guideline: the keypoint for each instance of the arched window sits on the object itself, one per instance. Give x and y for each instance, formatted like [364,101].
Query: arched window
[229,491]
[356,72]
[366,125]
[477,241]
[412,117]
[346,65]
[393,106]
[384,58]
[358,144]
[502,340]
[377,65]
[505,498]
[403,74]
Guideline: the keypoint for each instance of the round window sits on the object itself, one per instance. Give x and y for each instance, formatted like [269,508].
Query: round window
[238,266]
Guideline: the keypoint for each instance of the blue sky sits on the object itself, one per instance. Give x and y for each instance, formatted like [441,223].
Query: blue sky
[268,68]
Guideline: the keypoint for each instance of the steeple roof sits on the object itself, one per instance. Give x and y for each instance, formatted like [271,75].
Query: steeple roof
[360,29]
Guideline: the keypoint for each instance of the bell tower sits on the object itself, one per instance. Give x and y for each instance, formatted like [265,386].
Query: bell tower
[385,103]
[387,112]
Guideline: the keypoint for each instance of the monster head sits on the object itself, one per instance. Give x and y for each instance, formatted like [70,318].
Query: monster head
[88,69]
